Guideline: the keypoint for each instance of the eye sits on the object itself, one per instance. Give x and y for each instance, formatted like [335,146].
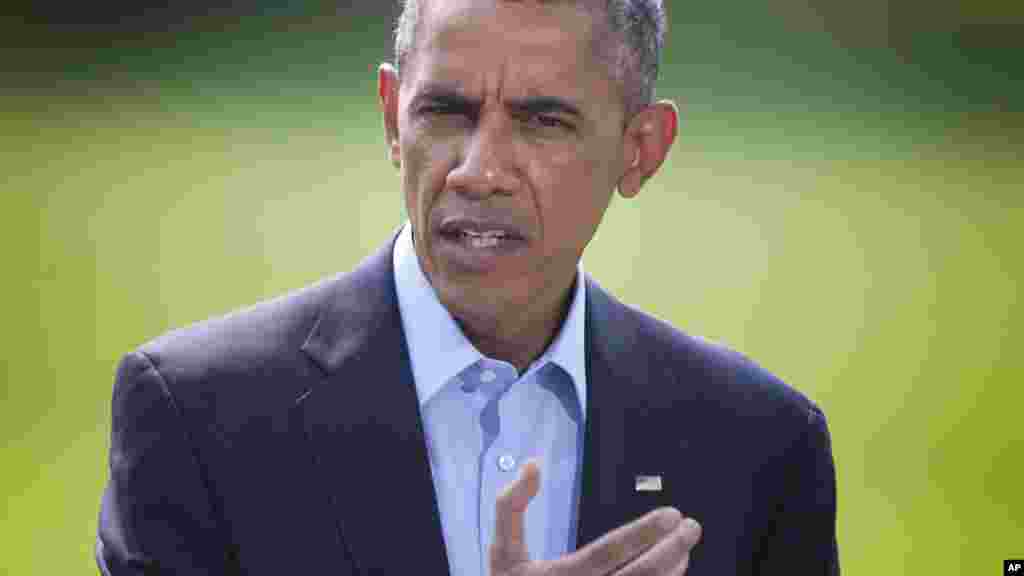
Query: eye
[445,112]
[550,121]
[436,109]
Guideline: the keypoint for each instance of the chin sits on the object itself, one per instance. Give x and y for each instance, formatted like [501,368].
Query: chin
[477,300]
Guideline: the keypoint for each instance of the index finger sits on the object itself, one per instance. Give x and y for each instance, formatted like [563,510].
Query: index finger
[622,544]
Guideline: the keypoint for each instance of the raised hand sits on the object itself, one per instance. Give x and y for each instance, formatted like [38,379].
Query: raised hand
[657,543]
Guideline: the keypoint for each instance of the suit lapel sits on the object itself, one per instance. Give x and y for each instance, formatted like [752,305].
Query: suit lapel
[364,426]
[612,366]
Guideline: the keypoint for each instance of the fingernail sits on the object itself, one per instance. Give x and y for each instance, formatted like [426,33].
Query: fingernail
[692,524]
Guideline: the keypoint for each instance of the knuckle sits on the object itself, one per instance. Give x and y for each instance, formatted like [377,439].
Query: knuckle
[564,566]
[685,539]
[499,556]
[547,568]
[695,533]
[605,556]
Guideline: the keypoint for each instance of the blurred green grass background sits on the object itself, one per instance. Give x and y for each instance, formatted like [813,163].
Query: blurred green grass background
[844,205]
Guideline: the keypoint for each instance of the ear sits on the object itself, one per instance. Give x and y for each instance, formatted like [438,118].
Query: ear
[646,142]
[387,92]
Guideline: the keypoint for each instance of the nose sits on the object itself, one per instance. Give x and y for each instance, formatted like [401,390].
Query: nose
[488,164]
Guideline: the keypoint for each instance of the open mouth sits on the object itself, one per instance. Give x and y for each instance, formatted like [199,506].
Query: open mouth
[480,234]
[479,239]
[478,245]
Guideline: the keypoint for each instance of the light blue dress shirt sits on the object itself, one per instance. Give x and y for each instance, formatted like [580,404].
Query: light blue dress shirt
[483,419]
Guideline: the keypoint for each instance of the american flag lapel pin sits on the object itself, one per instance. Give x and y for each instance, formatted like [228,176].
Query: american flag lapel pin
[648,483]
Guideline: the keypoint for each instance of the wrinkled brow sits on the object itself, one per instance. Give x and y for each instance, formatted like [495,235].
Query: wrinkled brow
[450,96]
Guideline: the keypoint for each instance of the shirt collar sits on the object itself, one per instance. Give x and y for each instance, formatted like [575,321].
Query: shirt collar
[438,350]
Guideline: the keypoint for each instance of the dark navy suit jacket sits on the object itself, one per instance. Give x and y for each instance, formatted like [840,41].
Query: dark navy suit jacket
[286,439]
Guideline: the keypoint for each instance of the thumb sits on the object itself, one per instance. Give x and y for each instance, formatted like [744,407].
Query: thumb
[509,546]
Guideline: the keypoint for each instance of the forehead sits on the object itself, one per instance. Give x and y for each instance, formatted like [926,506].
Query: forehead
[534,46]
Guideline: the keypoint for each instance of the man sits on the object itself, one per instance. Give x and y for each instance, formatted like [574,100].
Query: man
[467,400]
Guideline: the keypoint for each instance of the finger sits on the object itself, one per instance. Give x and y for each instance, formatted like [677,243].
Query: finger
[671,555]
[622,544]
[509,546]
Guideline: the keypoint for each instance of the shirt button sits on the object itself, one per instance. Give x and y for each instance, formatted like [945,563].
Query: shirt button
[488,376]
[506,463]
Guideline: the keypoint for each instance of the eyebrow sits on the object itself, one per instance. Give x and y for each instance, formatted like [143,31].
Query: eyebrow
[446,95]
[533,105]
[530,105]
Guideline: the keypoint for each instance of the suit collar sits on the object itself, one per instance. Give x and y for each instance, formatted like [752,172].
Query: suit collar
[366,435]
[358,308]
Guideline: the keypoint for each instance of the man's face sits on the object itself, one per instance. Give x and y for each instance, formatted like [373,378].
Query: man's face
[510,138]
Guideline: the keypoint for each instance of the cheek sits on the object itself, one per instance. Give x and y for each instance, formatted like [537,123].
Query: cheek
[425,163]
[572,199]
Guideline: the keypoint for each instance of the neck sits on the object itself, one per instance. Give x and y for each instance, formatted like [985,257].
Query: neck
[522,338]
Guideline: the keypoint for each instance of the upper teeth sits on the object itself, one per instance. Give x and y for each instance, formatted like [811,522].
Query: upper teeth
[488,234]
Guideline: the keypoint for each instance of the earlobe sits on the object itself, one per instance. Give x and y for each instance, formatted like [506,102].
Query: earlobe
[632,179]
[634,175]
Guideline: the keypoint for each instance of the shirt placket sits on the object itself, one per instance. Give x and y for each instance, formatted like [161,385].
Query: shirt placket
[498,459]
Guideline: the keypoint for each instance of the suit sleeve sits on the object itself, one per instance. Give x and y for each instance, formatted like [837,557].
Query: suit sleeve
[802,540]
[156,515]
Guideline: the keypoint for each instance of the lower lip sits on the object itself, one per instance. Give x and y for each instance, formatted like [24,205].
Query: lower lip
[467,255]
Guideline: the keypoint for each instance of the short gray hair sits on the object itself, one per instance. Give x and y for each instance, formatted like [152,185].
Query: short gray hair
[633,49]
